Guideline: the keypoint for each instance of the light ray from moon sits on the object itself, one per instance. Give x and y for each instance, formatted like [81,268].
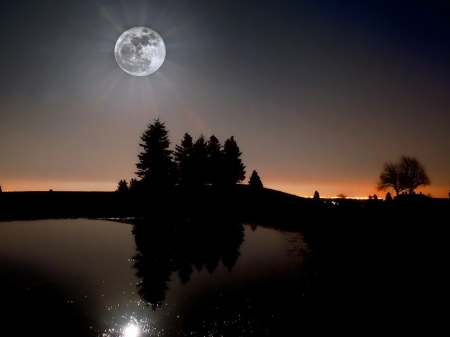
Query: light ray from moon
[106,14]
[109,81]
[106,85]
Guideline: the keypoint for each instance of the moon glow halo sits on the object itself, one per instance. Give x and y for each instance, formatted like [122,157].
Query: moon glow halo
[140,51]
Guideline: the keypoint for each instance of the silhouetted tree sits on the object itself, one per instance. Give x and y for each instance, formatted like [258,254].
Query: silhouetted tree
[405,176]
[134,185]
[388,197]
[156,167]
[2,191]
[182,157]
[215,161]
[370,197]
[199,162]
[234,169]
[255,181]
[412,174]
[122,186]
[390,178]
[342,196]
[375,197]
[316,195]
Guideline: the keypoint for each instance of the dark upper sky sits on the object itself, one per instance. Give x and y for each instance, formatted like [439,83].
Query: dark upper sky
[318,94]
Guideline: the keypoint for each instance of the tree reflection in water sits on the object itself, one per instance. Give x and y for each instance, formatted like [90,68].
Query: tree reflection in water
[256,299]
[176,245]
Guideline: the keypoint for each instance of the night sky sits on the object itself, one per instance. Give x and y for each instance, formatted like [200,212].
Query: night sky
[318,94]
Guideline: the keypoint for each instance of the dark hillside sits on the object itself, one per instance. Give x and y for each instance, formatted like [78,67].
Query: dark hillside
[241,201]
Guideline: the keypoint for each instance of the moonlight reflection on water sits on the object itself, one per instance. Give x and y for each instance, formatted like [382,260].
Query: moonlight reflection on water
[83,274]
[131,330]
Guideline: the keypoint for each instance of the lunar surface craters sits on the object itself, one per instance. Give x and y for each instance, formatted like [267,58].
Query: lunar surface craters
[140,51]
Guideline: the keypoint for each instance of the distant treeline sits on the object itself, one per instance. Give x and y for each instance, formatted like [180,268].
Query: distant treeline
[241,201]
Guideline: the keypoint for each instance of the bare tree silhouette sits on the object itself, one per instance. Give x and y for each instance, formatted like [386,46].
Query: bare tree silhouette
[405,176]
[390,178]
[412,174]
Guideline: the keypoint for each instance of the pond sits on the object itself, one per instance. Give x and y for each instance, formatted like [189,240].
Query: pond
[82,277]
[210,277]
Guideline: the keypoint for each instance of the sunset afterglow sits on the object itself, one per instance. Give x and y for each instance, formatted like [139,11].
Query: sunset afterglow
[317,95]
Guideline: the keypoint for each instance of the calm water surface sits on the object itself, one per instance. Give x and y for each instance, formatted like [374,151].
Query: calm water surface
[101,278]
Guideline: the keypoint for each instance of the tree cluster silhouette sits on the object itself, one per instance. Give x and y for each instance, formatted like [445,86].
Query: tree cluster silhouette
[406,176]
[193,164]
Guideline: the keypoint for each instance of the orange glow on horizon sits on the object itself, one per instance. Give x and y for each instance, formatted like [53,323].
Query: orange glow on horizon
[326,190]
[351,191]
[59,185]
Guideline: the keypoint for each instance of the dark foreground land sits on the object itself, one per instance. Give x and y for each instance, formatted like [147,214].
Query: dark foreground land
[241,202]
[377,267]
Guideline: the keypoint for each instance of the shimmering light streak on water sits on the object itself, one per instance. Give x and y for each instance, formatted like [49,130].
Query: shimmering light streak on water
[131,330]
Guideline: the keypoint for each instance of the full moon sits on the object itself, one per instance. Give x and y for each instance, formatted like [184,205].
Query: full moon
[140,51]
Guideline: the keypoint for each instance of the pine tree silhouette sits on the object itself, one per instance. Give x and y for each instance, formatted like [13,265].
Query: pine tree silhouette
[234,169]
[255,180]
[156,167]
[134,185]
[183,160]
[122,186]
[199,162]
[215,161]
